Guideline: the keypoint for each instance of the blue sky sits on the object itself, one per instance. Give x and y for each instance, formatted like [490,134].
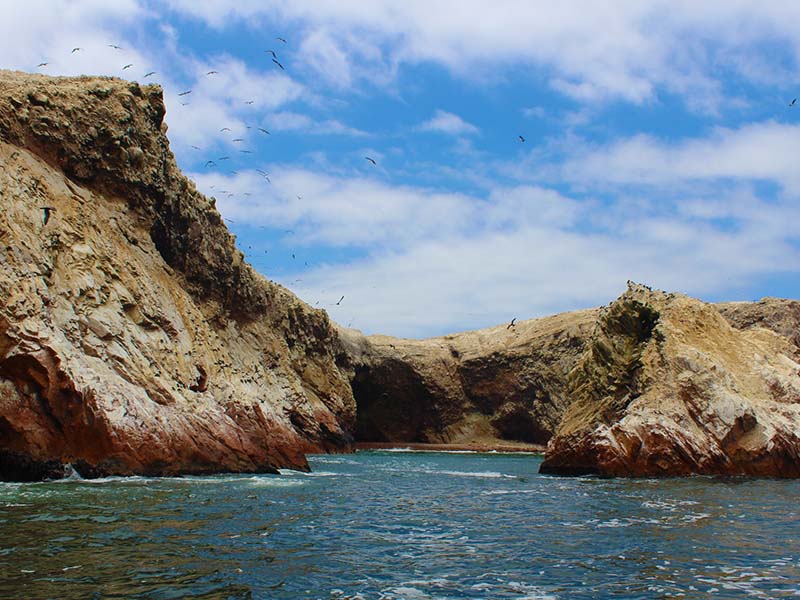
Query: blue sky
[659,143]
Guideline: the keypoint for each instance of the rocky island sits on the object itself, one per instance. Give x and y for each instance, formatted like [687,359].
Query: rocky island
[135,339]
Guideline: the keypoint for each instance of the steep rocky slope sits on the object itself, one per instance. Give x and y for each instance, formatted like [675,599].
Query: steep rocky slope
[133,336]
[667,387]
[497,385]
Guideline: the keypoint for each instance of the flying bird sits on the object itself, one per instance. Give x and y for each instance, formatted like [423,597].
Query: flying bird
[262,130]
[249,101]
[277,63]
[280,39]
[521,139]
[128,66]
[225,129]
[114,46]
[47,211]
[246,151]
[340,301]
[74,50]
[372,160]
[212,73]
[42,65]
[224,158]
[149,74]
[186,93]
[239,140]
[271,52]
[510,325]
[792,103]
[195,147]
[210,163]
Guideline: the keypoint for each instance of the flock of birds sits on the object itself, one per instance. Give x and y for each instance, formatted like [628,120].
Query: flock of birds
[209,164]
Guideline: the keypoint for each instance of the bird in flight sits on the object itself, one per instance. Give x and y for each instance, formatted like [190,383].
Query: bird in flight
[128,66]
[271,52]
[196,147]
[149,74]
[249,101]
[340,301]
[224,158]
[372,160]
[74,50]
[186,93]
[510,325]
[225,129]
[114,46]
[262,130]
[521,139]
[238,140]
[210,163]
[42,65]
[277,63]
[246,151]
[280,39]
[793,102]
[47,210]
[212,73]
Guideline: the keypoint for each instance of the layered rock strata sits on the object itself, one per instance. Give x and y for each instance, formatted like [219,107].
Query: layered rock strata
[134,338]
[667,386]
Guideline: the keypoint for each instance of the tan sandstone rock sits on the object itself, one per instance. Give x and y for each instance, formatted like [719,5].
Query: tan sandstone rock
[133,337]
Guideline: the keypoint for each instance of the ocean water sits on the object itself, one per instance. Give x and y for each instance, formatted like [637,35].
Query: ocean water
[409,525]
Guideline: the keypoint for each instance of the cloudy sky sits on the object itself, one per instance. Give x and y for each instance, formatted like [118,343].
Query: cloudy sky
[659,143]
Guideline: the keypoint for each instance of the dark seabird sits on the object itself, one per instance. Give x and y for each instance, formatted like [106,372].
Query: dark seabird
[186,93]
[280,39]
[195,147]
[271,52]
[114,46]
[510,325]
[340,301]
[521,139]
[42,65]
[249,101]
[277,63]
[262,130]
[793,102]
[74,50]
[372,160]
[149,74]
[210,163]
[213,73]
[47,210]
[225,129]
[128,66]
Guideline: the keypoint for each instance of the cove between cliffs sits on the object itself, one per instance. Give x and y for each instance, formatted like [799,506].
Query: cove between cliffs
[136,340]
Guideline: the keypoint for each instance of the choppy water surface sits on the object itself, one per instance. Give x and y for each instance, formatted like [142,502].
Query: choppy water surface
[401,525]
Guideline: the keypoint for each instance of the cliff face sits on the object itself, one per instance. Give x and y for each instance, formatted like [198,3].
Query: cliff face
[493,386]
[133,336]
[667,387]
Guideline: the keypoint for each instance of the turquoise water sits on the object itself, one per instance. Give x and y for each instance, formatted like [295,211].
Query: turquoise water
[401,525]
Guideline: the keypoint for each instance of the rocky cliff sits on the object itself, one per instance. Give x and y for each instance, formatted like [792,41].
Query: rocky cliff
[491,387]
[133,336]
[666,386]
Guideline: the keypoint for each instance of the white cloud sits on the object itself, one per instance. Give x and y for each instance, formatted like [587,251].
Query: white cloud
[758,151]
[592,51]
[293,121]
[446,122]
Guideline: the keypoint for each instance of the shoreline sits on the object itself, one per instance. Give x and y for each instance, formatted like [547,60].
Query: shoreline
[470,447]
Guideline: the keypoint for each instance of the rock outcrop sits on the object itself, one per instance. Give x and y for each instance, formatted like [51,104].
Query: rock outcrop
[667,386]
[134,338]
[488,387]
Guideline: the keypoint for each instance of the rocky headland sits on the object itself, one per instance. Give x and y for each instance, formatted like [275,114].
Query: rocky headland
[135,339]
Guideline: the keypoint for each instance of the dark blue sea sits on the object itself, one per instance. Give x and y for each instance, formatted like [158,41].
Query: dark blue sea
[410,525]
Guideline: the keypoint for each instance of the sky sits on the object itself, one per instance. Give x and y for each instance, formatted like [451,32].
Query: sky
[527,158]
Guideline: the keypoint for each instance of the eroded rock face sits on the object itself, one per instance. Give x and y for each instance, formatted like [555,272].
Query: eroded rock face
[497,385]
[667,387]
[133,336]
